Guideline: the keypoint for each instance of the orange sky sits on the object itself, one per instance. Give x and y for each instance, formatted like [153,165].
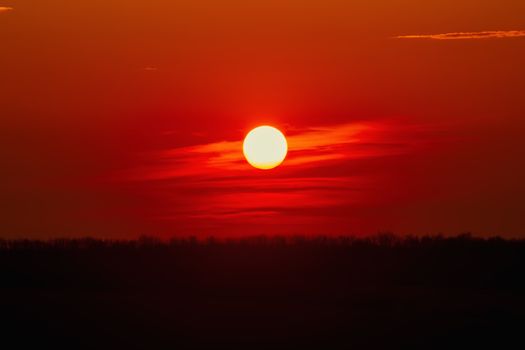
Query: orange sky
[119,118]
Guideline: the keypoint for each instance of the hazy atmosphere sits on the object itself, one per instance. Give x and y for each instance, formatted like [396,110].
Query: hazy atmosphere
[120,118]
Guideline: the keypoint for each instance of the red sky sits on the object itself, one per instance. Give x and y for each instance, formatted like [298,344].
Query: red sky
[120,118]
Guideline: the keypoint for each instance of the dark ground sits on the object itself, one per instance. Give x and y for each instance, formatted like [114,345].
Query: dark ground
[381,292]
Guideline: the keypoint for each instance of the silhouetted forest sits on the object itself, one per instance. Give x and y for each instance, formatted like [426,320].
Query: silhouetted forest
[381,291]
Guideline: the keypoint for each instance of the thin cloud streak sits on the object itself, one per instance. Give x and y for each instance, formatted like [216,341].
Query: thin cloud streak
[5,9]
[253,200]
[495,34]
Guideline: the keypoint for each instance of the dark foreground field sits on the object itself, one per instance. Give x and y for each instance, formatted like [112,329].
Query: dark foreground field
[381,292]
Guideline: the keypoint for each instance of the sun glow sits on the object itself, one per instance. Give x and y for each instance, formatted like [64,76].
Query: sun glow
[265,147]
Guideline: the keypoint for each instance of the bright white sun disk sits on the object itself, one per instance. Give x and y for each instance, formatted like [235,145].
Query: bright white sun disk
[265,147]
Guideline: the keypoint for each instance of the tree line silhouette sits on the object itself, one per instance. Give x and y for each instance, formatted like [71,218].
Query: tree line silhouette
[462,260]
[374,292]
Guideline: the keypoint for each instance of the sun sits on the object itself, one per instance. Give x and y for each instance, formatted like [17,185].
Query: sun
[265,147]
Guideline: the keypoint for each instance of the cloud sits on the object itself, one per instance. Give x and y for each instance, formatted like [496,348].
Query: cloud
[311,147]
[5,9]
[467,35]
[212,186]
